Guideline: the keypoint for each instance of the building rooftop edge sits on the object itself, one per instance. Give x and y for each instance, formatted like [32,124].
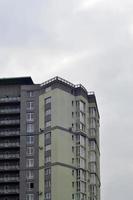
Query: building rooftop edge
[57,78]
[26,80]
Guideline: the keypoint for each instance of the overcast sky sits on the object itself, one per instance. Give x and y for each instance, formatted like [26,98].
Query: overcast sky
[83,41]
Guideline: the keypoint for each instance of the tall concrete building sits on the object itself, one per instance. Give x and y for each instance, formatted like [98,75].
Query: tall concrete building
[49,141]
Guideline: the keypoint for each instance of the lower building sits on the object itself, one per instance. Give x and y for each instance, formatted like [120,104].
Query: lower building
[49,141]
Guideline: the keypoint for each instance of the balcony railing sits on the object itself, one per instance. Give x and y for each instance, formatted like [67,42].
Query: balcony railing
[9,111]
[9,99]
[9,133]
[9,191]
[6,145]
[9,179]
[9,156]
[9,167]
[9,121]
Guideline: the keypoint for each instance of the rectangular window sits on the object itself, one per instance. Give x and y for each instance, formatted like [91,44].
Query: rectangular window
[30,151]
[47,135]
[30,117]
[48,112]
[47,195]
[82,140]
[47,159]
[30,105]
[47,124]
[30,93]
[82,106]
[47,171]
[30,128]
[30,139]
[48,183]
[29,196]
[48,147]
[30,162]
[92,156]
[29,174]
[82,163]
[47,100]
[30,185]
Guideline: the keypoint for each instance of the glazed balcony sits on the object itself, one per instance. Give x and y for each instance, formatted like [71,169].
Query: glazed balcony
[9,167]
[9,99]
[9,179]
[9,144]
[9,133]
[4,111]
[9,156]
[9,191]
[9,122]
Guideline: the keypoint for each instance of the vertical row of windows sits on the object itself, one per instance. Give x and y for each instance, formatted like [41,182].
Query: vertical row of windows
[47,149]
[48,112]
[30,148]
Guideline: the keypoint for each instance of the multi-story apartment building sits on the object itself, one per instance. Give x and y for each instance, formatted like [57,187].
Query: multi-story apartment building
[49,141]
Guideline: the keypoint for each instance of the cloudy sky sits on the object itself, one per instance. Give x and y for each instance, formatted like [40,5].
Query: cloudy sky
[83,41]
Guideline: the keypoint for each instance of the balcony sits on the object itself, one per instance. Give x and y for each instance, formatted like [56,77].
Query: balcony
[9,167]
[9,111]
[9,133]
[9,122]
[9,144]
[9,191]
[9,99]
[9,156]
[9,179]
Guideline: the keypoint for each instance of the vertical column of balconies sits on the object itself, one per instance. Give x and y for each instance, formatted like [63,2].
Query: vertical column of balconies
[81,151]
[9,147]
[94,153]
[47,148]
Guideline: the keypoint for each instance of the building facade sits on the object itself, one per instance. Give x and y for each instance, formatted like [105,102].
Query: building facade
[49,141]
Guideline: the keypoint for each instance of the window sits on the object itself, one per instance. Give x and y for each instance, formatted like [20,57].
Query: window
[47,171]
[72,103]
[48,100]
[82,152]
[29,196]
[48,112]
[82,106]
[82,126]
[30,185]
[30,162]
[92,156]
[30,93]
[30,105]
[72,149]
[48,183]
[30,151]
[72,196]
[72,160]
[29,174]
[30,128]
[30,139]
[72,137]
[30,117]
[72,184]
[47,195]
[72,114]
[73,172]
[82,140]
[82,163]
[47,135]
[48,147]
[47,159]
[47,124]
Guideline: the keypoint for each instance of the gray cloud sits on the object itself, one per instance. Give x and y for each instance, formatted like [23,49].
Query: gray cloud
[88,42]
